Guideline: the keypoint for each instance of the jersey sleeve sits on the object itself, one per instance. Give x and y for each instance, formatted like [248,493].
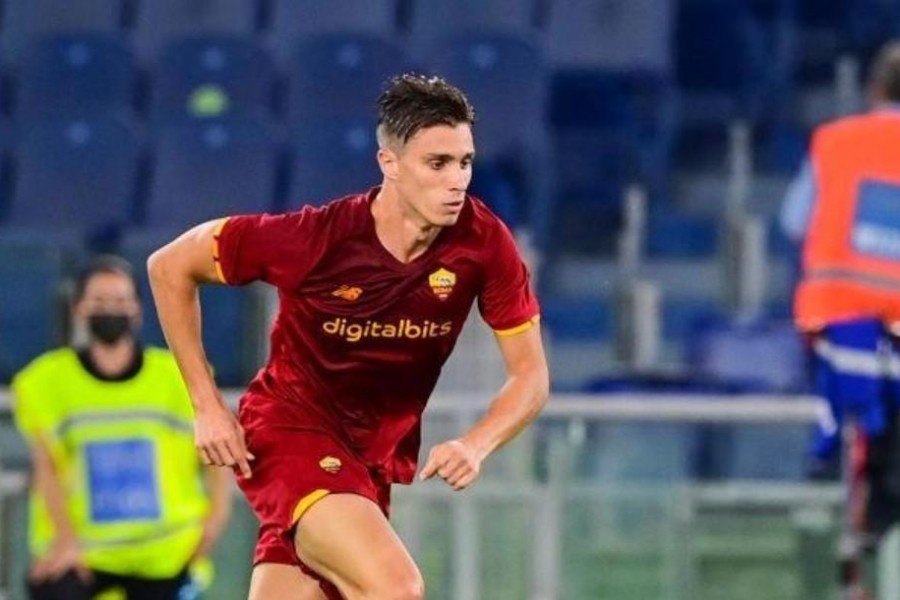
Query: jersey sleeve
[278,249]
[507,302]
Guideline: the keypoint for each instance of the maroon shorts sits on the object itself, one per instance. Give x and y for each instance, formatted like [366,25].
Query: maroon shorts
[292,470]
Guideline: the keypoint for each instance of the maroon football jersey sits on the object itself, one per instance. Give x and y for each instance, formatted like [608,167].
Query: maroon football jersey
[360,337]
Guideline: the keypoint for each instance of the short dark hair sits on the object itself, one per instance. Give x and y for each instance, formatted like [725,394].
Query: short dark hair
[411,102]
[885,73]
[104,263]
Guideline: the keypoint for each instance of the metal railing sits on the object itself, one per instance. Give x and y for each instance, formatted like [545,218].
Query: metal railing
[540,509]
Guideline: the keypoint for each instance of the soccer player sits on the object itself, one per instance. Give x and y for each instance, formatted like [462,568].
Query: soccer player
[374,289]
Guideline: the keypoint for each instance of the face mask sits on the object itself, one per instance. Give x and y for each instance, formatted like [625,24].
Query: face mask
[109,329]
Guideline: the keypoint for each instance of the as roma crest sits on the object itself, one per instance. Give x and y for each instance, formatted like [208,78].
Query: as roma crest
[331,464]
[442,282]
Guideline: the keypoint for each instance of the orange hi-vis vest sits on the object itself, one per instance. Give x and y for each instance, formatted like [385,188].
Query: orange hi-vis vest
[851,256]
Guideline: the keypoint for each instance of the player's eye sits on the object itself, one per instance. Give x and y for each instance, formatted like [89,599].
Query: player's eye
[436,164]
[466,163]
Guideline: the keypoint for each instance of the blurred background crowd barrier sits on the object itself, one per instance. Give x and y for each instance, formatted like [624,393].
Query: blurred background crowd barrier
[606,498]
[620,495]
[639,149]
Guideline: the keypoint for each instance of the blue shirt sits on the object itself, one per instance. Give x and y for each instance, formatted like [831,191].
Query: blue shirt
[798,203]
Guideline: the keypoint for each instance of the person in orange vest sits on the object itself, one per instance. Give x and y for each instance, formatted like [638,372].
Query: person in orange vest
[843,208]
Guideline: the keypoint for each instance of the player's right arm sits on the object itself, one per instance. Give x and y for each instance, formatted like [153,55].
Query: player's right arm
[176,271]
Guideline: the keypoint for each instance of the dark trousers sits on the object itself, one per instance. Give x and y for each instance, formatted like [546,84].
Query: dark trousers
[71,587]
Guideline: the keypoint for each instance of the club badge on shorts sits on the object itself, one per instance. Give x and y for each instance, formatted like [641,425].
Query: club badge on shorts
[331,464]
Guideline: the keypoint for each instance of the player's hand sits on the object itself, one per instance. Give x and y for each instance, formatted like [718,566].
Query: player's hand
[454,462]
[65,555]
[220,439]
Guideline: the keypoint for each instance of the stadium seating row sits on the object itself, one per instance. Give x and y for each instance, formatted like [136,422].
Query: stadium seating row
[137,117]
[89,176]
[611,118]
[586,69]
[154,24]
[329,97]
[620,32]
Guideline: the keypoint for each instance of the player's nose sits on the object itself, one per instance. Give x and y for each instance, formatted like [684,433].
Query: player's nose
[461,178]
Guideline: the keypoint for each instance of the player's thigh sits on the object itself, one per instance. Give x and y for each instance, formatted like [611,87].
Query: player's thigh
[348,540]
[274,580]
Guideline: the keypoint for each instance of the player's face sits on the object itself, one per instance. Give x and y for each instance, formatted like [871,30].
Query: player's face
[433,171]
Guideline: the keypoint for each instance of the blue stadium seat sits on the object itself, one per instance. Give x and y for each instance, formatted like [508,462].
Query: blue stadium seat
[510,137]
[224,311]
[820,34]
[162,22]
[492,69]
[617,35]
[831,15]
[723,68]
[735,351]
[642,452]
[212,76]
[297,20]
[333,158]
[726,70]
[841,27]
[674,234]
[433,18]
[24,21]
[77,75]
[631,114]
[592,170]
[499,188]
[207,169]
[595,99]
[580,226]
[340,75]
[31,269]
[577,317]
[6,146]
[611,78]
[761,452]
[682,315]
[75,175]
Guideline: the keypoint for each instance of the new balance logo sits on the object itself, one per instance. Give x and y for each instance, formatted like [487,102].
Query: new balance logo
[348,293]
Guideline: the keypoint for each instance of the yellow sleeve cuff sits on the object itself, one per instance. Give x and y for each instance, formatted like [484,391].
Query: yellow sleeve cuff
[215,250]
[519,328]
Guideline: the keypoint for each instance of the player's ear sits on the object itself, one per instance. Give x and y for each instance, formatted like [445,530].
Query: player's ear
[387,162]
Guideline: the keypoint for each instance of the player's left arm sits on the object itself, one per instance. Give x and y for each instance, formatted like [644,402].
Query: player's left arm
[458,461]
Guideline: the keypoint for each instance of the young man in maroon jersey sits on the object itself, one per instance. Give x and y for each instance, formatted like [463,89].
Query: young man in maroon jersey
[374,290]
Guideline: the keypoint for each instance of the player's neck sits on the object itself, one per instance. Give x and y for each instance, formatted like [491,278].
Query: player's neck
[404,234]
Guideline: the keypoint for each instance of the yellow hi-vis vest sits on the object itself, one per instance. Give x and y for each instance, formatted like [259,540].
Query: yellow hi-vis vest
[124,453]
